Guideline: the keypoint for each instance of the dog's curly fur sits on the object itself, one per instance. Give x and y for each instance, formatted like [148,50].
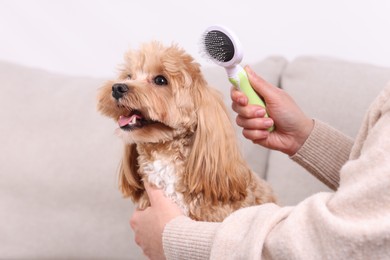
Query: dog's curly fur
[178,136]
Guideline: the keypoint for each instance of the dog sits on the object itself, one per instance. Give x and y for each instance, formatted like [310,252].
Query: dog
[178,136]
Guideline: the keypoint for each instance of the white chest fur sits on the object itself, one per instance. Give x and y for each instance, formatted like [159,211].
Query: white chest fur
[162,174]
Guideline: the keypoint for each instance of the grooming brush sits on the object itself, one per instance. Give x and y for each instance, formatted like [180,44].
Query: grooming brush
[223,47]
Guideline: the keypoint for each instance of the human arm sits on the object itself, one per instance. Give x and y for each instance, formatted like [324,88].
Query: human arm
[353,222]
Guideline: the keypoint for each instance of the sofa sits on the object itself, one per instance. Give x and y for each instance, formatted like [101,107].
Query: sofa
[59,157]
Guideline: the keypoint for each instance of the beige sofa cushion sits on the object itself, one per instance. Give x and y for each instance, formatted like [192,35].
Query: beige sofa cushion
[331,90]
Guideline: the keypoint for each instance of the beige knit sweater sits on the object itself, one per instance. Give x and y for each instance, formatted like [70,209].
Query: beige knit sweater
[351,223]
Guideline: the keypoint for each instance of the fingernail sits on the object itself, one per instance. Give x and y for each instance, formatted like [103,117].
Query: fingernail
[260,113]
[249,70]
[241,101]
[268,122]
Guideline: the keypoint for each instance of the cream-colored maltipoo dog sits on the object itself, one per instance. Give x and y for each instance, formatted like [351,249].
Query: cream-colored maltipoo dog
[178,136]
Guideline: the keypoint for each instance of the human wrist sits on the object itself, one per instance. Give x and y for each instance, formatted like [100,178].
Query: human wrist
[301,136]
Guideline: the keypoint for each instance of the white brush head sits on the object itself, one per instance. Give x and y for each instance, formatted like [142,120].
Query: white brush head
[222,46]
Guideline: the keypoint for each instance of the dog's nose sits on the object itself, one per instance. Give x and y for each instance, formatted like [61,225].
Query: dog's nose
[118,90]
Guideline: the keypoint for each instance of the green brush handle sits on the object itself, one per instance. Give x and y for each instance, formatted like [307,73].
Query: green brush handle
[241,81]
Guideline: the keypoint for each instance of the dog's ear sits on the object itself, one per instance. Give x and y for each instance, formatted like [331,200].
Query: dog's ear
[216,168]
[130,182]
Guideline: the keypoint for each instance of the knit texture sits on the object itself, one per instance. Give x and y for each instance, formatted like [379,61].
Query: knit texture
[178,244]
[319,156]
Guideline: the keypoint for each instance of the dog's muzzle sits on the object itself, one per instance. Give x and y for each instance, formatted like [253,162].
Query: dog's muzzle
[118,90]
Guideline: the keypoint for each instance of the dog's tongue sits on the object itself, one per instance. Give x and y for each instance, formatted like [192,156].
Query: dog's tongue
[126,120]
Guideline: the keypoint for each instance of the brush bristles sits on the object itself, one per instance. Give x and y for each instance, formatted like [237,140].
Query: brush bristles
[218,46]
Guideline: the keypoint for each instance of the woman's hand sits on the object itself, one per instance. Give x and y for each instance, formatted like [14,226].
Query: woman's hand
[148,225]
[292,126]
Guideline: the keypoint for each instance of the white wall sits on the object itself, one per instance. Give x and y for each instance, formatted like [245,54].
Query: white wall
[88,37]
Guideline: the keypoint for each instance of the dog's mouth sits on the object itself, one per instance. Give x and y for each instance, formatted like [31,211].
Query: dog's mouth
[134,120]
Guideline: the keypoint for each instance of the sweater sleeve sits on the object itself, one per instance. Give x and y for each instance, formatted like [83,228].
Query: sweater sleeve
[324,153]
[354,222]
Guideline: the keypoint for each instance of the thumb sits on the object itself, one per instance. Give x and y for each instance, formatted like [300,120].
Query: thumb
[260,85]
[155,194]
[161,202]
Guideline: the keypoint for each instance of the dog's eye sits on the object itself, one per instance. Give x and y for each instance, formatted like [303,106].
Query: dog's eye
[128,76]
[160,80]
